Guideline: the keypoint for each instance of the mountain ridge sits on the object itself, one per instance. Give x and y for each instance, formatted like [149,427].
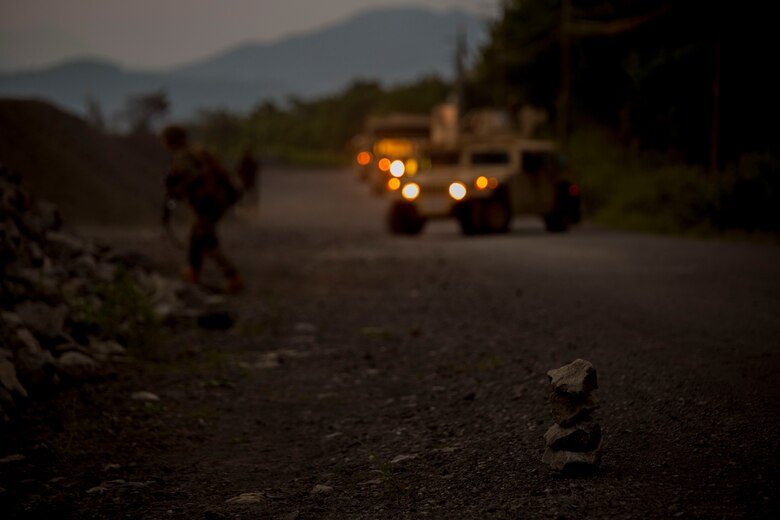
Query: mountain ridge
[390,45]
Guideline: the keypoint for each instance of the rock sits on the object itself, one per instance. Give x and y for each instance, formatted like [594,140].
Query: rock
[8,379]
[64,246]
[45,321]
[321,489]
[402,458]
[10,319]
[77,365]
[582,437]
[17,457]
[34,366]
[572,461]
[247,498]
[144,396]
[578,377]
[566,409]
[106,349]
[25,340]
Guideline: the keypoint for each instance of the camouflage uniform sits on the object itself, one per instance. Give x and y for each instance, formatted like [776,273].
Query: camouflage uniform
[200,179]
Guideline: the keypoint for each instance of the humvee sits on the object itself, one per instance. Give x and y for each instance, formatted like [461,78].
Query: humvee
[392,146]
[496,177]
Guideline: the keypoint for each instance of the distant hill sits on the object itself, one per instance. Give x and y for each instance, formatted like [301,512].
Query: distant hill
[91,176]
[389,45]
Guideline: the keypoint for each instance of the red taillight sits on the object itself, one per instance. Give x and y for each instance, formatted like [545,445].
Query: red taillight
[574,190]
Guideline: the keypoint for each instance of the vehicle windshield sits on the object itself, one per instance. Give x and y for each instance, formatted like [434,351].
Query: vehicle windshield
[489,158]
[534,162]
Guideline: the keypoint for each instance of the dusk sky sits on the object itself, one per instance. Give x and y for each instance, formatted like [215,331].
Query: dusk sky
[161,33]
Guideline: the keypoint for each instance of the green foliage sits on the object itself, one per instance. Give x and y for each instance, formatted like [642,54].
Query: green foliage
[647,68]
[119,310]
[750,194]
[653,192]
[313,132]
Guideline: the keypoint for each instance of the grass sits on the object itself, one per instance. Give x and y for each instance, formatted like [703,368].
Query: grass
[119,310]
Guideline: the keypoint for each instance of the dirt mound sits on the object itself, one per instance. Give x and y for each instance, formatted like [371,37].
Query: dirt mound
[90,175]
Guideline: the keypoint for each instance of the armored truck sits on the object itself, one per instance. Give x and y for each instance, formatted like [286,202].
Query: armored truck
[496,176]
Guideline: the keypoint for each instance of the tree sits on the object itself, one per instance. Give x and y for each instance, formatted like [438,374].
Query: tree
[143,110]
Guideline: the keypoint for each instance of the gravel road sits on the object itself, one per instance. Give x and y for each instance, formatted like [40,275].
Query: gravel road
[373,376]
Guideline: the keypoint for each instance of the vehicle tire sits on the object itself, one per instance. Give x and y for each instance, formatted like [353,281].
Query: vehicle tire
[467,216]
[403,219]
[568,204]
[555,223]
[495,214]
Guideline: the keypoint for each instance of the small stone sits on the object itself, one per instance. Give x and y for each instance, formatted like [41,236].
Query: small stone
[402,458]
[578,377]
[8,379]
[572,461]
[247,498]
[144,396]
[583,437]
[17,457]
[568,409]
[321,489]
[75,364]
[43,320]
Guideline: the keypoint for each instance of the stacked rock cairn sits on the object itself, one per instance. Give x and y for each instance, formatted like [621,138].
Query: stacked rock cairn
[574,441]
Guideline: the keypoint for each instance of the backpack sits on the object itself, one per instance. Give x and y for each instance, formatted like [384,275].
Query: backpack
[212,192]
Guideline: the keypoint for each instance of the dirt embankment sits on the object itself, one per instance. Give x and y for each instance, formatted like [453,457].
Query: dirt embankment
[90,175]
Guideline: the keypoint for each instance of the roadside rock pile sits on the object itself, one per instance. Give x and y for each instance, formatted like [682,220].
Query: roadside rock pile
[70,309]
[574,441]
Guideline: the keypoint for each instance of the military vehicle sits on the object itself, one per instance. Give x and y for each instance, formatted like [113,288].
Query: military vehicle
[497,175]
[391,147]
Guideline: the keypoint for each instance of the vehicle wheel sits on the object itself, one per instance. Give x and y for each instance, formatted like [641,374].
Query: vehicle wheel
[495,215]
[555,223]
[467,218]
[404,219]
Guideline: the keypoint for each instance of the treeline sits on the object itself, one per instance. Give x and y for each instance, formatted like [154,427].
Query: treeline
[668,108]
[314,131]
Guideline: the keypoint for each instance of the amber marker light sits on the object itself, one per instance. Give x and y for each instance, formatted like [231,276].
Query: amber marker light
[363,158]
[393,184]
[481,182]
[411,191]
[492,183]
[412,166]
[384,164]
[457,190]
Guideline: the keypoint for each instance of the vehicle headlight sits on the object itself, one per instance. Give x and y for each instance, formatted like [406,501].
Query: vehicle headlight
[397,168]
[411,191]
[458,190]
